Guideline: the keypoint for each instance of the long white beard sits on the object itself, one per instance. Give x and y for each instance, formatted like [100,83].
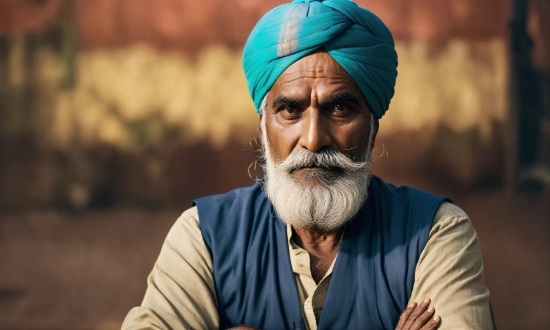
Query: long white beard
[325,206]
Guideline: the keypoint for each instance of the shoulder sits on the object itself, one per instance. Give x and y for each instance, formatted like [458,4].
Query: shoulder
[186,225]
[402,193]
[449,212]
[184,240]
[452,220]
[406,205]
[452,233]
[188,219]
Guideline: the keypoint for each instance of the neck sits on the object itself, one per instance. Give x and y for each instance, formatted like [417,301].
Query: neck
[317,239]
[321,246]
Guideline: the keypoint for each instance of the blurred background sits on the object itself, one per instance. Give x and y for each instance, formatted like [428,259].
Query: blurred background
[116,114]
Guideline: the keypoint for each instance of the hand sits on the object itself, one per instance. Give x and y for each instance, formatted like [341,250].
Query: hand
[415,317]
[418,317]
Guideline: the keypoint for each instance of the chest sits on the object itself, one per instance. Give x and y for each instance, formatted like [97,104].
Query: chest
[255,283]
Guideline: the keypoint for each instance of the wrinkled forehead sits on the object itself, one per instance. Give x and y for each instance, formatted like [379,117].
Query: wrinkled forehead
[317,73]
[318,64]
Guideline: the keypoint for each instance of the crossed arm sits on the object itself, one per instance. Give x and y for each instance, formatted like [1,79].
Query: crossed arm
[415,317]
[181,294]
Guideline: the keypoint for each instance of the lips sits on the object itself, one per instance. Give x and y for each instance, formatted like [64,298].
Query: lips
[314,168]
[306,167]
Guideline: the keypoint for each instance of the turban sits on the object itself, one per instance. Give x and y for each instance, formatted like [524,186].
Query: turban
[355,38]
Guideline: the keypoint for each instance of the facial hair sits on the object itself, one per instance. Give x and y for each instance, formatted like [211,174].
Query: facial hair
[338,195]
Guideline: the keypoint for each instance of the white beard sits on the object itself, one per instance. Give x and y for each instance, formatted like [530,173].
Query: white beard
[325,206]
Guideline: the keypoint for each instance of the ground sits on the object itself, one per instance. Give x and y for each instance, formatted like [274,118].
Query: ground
[64,270]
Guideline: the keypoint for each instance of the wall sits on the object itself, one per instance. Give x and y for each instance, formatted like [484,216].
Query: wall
[144,103]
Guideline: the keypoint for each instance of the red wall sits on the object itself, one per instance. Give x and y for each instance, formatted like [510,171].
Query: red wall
[188,25]
[20,16]
[192,24]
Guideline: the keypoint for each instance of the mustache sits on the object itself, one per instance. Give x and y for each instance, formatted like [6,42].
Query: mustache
[325,158]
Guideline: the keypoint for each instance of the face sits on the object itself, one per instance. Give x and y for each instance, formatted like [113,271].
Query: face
[316,105]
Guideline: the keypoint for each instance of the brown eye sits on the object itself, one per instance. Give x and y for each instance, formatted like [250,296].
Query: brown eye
[340,107]
[289,109]
[340,110]
[289,112]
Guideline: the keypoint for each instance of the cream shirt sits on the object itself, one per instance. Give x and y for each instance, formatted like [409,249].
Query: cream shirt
[181,293]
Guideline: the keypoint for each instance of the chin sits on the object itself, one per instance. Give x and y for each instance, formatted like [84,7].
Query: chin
[316,176]
[310,183]
[316,198]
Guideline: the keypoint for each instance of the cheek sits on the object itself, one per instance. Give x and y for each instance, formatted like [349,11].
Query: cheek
[282,140]
[352,138]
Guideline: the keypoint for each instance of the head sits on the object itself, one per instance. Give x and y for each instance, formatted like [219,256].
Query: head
[317,136]
[322,94]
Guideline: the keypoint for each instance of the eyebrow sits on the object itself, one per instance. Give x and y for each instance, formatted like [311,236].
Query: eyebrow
[284,100]
[336,98]
[344,97]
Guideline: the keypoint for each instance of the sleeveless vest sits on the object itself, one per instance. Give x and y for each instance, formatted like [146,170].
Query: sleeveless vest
[372,277]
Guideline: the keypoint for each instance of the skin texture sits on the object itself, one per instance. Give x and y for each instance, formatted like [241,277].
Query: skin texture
[315,104]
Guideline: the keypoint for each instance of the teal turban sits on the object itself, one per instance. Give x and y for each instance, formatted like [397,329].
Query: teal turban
[356,38]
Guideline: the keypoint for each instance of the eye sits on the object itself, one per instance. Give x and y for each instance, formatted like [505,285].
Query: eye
[289,111]
[340,109]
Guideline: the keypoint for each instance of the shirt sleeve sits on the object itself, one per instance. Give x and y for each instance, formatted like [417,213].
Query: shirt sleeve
[180,288]
[450,272]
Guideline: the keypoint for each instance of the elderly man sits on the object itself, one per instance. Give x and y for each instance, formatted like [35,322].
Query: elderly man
[318,243]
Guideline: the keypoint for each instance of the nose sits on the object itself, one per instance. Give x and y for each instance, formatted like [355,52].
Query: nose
[315,133]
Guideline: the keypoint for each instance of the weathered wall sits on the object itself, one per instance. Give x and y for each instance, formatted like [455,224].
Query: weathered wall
[153,109]
[191,25]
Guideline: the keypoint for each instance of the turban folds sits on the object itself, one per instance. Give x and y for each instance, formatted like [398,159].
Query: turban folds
[356,38]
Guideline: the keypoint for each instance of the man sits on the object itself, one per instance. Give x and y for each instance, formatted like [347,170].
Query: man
[318,242]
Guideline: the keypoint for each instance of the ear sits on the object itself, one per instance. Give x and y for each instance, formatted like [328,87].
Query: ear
[376,126]
[260,124]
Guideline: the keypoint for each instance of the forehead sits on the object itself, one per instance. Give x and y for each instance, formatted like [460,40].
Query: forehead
[317,72]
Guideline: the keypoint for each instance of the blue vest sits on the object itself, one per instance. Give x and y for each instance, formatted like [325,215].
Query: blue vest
[372,278]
